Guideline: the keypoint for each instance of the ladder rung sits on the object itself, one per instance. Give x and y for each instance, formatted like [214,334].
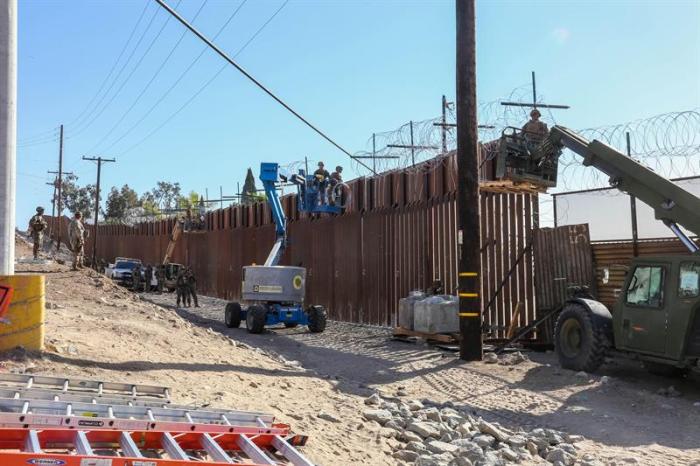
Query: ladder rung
[32,444]
[82,444]
[128,446]
[172,448]
[214,449]
[253,451]
[289,452]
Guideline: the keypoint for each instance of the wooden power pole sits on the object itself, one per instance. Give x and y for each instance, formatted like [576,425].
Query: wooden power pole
[470,346]
[99,161]
[59,207]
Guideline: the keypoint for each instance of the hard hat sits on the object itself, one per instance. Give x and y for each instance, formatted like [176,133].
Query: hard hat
[320,164]
[339,168]
[40,210]
[535,112]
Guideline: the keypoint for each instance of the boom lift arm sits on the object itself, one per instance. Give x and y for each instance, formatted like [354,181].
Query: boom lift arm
[672,204]
[269,175]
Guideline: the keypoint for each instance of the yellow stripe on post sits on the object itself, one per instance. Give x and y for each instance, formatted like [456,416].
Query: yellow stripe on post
[468,274]
[469,314]
[26,313]
[469,295]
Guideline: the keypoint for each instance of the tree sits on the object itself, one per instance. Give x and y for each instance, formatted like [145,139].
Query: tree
[250,191]
[165,195]
[78,199]
[189,201]
[120,203]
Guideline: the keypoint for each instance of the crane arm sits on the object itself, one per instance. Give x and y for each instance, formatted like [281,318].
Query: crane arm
[672,204]
[269,175]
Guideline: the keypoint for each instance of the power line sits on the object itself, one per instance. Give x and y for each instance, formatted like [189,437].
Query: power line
[148,84]
[85,126]
[223,55]
[179,79]
[114,65]
[205,85]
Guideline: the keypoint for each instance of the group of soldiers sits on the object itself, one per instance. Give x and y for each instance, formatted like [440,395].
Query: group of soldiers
[186,287]
[325,180]
[154,280]
[76,235]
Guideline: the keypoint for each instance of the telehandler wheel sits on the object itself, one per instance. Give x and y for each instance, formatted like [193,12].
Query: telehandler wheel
[317,319]
[664,370]
[580,340]
[232,315]
[291,324]
[255,319]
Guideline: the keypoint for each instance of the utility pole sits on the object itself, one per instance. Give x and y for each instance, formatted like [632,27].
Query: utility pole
[99,161]
[60,187]
[8,134]
[470,345]
[411,146]
[221,196]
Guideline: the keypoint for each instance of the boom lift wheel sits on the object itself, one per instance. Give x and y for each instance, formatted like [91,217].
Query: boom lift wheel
[317,319]
[579,339]
[255,318]
[232,315]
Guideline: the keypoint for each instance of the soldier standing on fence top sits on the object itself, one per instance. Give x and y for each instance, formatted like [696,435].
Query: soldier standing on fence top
[37,225]
[76,236]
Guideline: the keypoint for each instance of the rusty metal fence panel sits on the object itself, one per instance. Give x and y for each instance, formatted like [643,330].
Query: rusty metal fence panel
[399,235]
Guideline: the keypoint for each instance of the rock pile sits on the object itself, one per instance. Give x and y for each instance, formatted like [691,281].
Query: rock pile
[430,434]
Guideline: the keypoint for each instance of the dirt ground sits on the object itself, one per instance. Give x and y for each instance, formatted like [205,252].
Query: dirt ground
[96,329]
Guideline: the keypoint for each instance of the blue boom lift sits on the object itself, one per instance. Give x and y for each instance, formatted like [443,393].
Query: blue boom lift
[275,293]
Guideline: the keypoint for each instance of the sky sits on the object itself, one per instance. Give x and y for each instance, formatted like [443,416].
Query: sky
[350,67]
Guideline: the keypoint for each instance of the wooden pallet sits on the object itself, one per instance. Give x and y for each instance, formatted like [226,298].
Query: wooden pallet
[510,186]
[404,334]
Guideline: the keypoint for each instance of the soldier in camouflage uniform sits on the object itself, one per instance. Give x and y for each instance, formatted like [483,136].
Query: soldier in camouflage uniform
[37,225]
[535,130]
[183,292]
[76,236]
[191,286]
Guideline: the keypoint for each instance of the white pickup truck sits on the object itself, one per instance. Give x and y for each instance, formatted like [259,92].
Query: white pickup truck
[121,270]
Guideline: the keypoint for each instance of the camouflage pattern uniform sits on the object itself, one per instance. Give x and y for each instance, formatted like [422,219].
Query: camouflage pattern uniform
[160,275]
[191,286]
[183,294]
[76,236]
[149,277]
[37,225]
[136,279]
[535,130]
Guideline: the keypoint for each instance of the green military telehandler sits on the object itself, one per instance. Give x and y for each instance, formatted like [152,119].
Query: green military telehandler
[656,318]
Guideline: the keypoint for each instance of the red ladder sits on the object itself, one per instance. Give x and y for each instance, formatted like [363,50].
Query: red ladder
[69,447]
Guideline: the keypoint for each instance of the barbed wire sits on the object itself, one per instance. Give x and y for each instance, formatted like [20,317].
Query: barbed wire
[668,143]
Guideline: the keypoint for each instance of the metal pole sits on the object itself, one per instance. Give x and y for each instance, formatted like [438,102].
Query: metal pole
[97,211]
[470,345]
[59,210]
[8,134]
[413,149]
[221,196]
[443,128]
[633,208]
[534,91]
[374,152]
[554,202]
[99,161]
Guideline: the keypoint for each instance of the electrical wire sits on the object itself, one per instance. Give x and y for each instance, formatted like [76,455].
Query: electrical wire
[177,81]
[261,86]
[148,84]
[207,83]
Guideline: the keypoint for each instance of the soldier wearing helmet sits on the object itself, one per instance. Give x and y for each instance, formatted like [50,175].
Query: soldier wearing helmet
[76,235]
[37,225]
[535,130]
